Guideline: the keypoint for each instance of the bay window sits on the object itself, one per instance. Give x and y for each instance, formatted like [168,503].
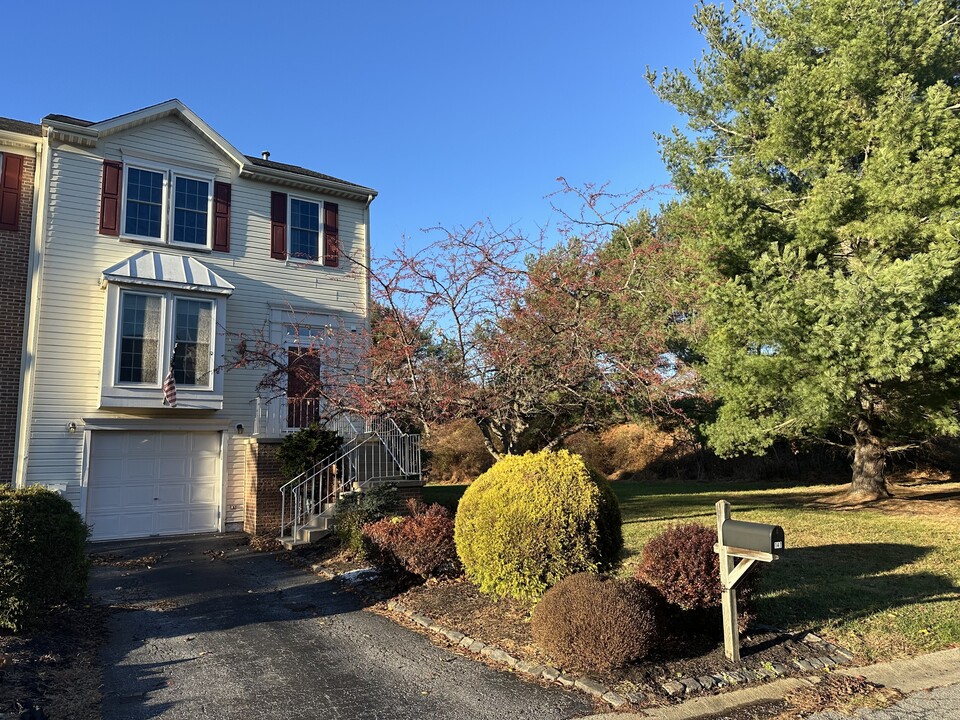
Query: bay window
[163,312]
[157,330]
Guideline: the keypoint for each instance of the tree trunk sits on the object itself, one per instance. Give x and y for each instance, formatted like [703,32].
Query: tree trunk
[869,465]
[488,433]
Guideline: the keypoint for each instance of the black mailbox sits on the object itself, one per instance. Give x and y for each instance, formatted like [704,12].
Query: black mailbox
[753,536]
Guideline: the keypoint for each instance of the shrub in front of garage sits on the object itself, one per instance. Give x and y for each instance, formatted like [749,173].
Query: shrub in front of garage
[43,559]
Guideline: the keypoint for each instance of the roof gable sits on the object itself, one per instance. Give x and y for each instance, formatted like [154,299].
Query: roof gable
[85,132]
[169,108]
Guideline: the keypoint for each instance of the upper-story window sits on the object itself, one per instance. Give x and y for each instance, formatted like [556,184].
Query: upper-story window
[304,229]
[144,210]
[153,203]
[167,206]
[191,208]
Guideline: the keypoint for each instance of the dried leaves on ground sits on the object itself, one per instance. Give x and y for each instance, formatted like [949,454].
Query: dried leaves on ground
[841,693]
[54,667]
[114,560]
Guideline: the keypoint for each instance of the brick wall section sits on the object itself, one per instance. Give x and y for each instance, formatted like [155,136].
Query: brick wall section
[410,491]
[15,248]
[261,512]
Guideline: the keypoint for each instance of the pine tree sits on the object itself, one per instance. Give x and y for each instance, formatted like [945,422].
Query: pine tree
[821,165]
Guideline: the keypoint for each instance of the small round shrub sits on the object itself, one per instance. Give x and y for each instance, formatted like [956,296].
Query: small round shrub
[420,543]
[681,564]
[42,554]
[532,520]
[597,622]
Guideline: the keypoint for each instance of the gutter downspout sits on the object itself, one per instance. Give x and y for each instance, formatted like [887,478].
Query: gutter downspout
[367,259]
[41,191]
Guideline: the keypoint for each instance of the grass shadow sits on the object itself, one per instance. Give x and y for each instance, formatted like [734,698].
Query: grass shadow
[813,585]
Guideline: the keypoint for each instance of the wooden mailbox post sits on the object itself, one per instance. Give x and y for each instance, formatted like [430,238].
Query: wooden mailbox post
[752,542]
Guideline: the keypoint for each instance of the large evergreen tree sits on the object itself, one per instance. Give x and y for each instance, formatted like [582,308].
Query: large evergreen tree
[821,166]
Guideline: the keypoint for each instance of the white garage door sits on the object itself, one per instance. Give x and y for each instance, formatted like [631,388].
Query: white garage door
[153,483]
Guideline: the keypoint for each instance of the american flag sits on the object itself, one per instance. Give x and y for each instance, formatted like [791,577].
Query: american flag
[170,387]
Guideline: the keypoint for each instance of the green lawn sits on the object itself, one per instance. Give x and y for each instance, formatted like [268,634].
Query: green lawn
[884,585]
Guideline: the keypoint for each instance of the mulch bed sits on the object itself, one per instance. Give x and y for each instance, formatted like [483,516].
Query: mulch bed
[52,670]
[457,605]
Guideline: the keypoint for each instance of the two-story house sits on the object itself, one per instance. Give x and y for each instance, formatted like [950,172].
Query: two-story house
[157,242]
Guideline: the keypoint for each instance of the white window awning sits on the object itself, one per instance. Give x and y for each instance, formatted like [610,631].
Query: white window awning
[156,269]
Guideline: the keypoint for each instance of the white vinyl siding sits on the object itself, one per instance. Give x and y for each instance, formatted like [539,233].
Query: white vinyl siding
[72,310]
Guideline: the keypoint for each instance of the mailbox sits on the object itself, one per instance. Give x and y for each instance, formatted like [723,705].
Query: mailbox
[753,536]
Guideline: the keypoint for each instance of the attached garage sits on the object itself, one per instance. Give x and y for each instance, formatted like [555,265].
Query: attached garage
[144,483]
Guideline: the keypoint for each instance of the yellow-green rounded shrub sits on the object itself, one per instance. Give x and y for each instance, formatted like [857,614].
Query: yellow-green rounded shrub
[531,520]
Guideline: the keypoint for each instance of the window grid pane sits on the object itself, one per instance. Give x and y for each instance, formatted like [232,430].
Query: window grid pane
[144,202]
[191,199]
[191,331]
[304,229]
[139,338]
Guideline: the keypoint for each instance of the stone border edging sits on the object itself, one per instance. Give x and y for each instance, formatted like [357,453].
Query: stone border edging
[492,652]
[833,656]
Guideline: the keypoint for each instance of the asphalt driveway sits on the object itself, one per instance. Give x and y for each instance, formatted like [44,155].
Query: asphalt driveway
[215,630]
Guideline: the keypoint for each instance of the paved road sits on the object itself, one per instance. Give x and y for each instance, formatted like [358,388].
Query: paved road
[937,704]
[214,630]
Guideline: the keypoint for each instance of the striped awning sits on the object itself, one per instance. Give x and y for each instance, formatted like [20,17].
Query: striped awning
[156,269]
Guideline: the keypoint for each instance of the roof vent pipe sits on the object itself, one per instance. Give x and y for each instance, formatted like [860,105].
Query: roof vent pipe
[265,154]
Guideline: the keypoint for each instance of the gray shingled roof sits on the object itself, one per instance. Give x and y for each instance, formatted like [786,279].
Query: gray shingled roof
[70,120]
[258,161]
[296,169]
[19,126]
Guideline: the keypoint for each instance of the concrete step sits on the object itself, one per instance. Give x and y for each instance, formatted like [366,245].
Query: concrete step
[290,543]
[317,521]
[311,535]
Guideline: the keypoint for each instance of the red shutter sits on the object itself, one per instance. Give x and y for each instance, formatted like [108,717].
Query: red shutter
[331,234]
[11,174]
[278,225]
[221,217]
[110,198]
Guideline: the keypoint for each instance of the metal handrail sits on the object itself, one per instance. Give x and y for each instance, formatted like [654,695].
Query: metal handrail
[357,462]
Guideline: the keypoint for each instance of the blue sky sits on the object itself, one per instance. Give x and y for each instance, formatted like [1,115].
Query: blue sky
[453,111]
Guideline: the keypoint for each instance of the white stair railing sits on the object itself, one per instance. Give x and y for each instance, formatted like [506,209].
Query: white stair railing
[378,451]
